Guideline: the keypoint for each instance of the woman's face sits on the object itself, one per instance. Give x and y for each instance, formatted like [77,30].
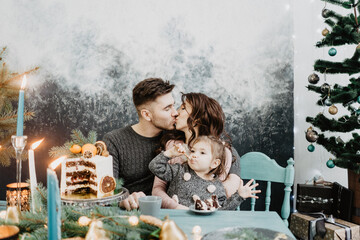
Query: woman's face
[184,113]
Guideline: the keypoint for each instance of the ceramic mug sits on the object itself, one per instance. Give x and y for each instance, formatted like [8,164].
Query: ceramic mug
[150,205]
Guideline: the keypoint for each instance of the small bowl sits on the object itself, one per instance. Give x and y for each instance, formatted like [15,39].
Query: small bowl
[9,232]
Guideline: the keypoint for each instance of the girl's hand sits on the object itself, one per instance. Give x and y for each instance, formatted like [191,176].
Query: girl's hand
[246,190]
[175,151]
[182,207]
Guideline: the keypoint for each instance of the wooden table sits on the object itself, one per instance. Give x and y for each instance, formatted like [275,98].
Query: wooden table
[186,220]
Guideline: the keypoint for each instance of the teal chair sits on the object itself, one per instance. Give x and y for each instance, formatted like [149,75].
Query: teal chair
[258,166]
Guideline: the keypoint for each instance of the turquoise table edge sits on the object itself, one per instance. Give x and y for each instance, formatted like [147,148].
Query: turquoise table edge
[186,220]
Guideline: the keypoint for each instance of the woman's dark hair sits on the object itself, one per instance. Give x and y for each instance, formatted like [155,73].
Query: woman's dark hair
[207,114]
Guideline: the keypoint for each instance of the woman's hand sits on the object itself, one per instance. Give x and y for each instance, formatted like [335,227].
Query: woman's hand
[132,201]
[246,190]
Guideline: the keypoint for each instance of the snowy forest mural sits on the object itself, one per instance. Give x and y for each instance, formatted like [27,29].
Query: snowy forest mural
[92,53]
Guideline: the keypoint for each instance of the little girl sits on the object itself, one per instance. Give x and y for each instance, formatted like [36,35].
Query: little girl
[197,178]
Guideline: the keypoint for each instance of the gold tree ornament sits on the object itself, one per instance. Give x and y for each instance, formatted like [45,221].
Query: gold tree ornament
[171,231]
[333,109]
[325,32]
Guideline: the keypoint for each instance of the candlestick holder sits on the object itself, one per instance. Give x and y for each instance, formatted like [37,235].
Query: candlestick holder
[12,196]
[19,143]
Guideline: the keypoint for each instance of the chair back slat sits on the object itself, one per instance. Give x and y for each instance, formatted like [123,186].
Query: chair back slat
[258,166]
[268,196]
[253,201]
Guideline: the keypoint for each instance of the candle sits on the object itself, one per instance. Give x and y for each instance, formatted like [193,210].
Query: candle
[53,201]
[32,173]
[20,112]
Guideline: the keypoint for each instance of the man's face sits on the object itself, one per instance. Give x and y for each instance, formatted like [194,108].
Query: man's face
[163,112]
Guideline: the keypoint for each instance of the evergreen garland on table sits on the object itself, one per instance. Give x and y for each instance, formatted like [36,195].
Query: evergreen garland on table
[33,225]
[9,92]
[343,30]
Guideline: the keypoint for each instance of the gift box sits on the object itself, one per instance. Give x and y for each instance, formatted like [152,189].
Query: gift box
[343,201]
[314,198]
[308,228]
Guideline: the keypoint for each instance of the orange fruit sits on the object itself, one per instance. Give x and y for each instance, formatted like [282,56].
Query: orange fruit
[107,184]
[75,149]
[89,147]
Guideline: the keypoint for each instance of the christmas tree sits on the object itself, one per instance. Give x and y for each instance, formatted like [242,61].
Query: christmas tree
[343,30]
[9,92]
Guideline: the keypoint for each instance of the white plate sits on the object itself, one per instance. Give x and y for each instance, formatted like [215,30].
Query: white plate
[192,208]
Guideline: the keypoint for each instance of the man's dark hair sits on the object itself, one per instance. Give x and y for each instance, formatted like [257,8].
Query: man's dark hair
[149,89]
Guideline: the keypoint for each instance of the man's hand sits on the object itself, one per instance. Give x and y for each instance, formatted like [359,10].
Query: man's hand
[132,201]
[246,190]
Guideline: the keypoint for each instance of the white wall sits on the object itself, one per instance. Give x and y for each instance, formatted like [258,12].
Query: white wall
[308,26]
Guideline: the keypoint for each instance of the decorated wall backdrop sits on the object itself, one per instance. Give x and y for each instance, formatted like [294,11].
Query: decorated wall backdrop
[92,53]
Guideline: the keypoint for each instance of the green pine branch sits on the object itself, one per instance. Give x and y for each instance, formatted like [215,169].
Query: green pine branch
[347,4]
[347,155]
[343,124]
[33,225]
[77,137]
[56,152]
[9,92]
[350,65]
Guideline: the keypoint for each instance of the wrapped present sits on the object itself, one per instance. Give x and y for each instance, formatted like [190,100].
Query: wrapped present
[343,199]
[314,198]
[317,228]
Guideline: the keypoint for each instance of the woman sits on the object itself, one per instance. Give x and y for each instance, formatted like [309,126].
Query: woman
[199,115]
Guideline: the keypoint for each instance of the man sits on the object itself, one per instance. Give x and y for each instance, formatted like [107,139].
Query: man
[133,147]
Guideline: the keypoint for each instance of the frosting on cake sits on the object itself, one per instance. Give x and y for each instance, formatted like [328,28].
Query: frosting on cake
[88,175]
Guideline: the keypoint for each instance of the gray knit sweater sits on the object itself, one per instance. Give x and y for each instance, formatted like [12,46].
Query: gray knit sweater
[185,189]
[132,154]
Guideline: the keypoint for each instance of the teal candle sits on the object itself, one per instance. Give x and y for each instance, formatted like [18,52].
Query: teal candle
[20,112]
[20,115]
[53,205]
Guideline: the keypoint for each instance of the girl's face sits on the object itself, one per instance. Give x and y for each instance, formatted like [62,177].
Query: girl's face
[184,112]
[201,158]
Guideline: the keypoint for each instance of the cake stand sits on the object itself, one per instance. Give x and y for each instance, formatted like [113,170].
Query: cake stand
[122,194]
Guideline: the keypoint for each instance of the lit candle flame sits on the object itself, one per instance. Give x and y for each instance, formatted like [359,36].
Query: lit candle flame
[23,84]
[56,162]
[36,144]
